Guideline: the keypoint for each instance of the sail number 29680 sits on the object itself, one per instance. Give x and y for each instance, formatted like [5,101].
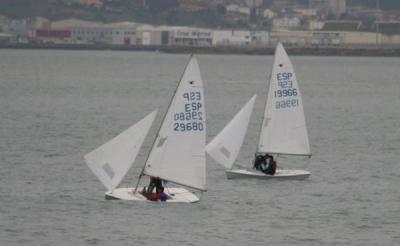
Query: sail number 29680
[190,126]
[191,118]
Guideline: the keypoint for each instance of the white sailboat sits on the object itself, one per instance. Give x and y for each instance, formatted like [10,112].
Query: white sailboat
[283,130]
[177,154]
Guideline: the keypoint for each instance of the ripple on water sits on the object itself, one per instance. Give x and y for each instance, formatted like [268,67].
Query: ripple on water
[57,105]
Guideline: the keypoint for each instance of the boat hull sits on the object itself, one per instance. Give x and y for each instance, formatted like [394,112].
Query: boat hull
[280,174]
[177,195]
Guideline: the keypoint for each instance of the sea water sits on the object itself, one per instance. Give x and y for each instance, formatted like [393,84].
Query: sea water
[58,105]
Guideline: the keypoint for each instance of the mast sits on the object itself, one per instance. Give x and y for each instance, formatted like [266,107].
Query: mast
[265,104]
[159,128]
[263,117]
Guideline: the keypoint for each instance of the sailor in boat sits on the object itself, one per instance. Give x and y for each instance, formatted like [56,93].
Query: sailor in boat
[159,195]
[265,163]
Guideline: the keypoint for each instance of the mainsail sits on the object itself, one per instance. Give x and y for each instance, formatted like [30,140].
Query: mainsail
[111,161]
[178,153]
[225,147]
[284,128]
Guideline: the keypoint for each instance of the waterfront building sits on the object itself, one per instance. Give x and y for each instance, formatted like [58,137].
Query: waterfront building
[306,12]
[352,26]
[286,23]
[187,36]
[267,13]
[4,23]
[290,38]
[231,38]
[259,38]
[315,24]
[124,33]
[237,9]
[52,35]
[88,32]
[387,33]
[149,35]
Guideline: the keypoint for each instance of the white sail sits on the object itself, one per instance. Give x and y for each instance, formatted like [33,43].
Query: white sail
[178,153]
[111,161]
[284,128]
[225,147]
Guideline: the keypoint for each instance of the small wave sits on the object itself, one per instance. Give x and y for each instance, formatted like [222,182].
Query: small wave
[93,241]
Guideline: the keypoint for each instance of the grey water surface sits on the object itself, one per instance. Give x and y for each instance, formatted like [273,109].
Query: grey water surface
[55,106]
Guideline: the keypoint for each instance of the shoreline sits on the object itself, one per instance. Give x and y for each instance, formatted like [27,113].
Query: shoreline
[297,51]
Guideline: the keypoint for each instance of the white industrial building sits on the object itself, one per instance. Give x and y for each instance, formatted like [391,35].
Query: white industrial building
[237,9]
[4,22]
[192,36]
[124,33]
[290,38]
[260,38]
[315,25]
[150,35]
[231,38]
[267,13]
[98,33]
[286,23]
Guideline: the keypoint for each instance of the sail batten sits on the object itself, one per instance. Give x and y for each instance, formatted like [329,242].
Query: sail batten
[284,153]
[284,127]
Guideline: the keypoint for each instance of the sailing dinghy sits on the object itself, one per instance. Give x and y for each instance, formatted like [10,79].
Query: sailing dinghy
[177,154]
[283,130]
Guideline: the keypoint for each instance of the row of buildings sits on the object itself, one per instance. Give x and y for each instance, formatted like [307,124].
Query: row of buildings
[320,8]
[284,15]
[326,7]
[73,31]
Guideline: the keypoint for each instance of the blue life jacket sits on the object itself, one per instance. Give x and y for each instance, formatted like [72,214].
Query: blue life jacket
[164,197]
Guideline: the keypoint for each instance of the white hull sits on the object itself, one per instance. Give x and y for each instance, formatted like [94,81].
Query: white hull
[280,174]
[177,195]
